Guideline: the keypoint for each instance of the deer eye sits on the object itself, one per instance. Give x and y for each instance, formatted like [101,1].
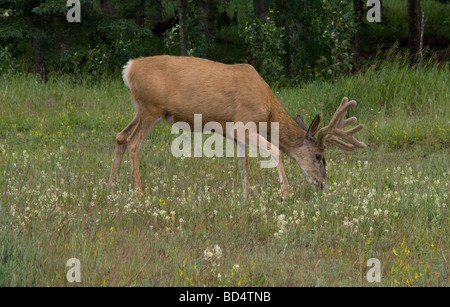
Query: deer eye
[318,157]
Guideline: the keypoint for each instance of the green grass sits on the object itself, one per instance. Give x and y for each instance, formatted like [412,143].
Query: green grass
[389,201]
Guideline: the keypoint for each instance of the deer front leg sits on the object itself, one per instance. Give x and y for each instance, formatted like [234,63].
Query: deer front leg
[256,140]
[243,162]
[283,179]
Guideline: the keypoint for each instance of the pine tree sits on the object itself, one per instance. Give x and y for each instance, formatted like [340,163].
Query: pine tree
[42,26]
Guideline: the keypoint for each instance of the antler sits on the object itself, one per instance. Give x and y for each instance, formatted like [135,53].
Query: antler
[333,131]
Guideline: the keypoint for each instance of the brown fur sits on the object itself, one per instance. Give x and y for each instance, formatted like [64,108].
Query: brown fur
[176,88]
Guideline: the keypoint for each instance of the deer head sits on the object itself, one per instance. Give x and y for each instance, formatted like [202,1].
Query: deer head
[310,156]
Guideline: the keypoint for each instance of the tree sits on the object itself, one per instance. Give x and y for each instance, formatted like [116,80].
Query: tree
[208,14]
[156,15]
[358,7]
[260,9]
[182,9]
[318,37]
[34,21]
[57,44]
[107,7]
[415,27]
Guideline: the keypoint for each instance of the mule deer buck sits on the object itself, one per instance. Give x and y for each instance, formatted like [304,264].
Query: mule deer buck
[176,88]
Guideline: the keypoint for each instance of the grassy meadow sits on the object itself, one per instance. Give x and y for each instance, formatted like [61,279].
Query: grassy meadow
[193,227]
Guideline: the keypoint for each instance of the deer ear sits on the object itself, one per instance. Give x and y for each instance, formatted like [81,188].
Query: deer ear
[301,123]
[312,130]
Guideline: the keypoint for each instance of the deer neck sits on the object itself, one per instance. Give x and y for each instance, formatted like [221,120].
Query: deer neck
[290,136]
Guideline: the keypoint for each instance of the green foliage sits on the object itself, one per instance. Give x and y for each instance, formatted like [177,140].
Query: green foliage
[318,36]
[302,40]
[101,58]
[338,29]
[394,24]
[6,60]
[197,44]
[265,42]
[172,39]
[50,7]
[239,9]
[100,43]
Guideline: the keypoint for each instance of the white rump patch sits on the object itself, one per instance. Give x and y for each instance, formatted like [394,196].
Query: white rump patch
[125,71]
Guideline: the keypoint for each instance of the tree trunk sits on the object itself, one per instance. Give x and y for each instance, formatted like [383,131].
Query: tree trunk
[156,16]
[139,16]
[259,9]
[182,5]
[107,7]
[358,7]
[39,61]
[209,19]
[415,26]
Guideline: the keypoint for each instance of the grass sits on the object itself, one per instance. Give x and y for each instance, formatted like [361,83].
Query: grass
[192,227]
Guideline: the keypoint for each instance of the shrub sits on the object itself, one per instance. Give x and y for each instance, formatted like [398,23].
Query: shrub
[264,41]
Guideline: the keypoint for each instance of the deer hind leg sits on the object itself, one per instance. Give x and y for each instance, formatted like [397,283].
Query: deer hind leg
[141,130]
[121,147]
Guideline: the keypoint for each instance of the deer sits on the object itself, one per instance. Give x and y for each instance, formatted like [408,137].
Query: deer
[175,88]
